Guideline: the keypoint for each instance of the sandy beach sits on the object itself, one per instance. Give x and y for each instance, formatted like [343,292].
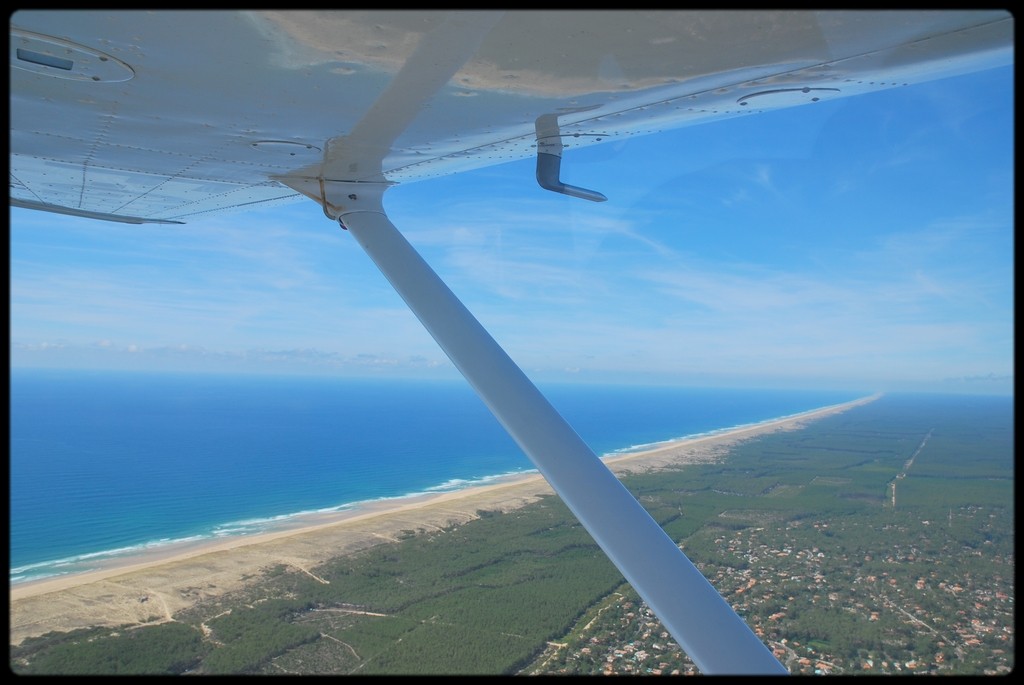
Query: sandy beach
[151,587]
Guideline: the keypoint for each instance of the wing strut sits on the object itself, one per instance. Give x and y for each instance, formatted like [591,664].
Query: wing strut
[700,620]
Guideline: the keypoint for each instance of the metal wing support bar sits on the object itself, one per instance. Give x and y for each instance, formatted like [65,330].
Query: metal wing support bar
[701,621]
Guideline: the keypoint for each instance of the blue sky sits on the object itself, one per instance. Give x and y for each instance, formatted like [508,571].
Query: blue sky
[863,243]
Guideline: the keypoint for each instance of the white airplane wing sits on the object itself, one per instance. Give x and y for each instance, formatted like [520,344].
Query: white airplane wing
[163,116]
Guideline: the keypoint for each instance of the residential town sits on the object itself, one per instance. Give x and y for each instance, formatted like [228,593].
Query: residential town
[833,597]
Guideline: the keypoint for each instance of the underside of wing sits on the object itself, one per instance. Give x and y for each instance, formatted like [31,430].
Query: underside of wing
[166,116]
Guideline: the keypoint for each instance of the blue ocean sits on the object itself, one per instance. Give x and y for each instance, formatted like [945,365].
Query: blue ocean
[107,464]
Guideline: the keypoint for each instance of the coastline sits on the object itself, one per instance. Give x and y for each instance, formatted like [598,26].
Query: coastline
[150,586]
